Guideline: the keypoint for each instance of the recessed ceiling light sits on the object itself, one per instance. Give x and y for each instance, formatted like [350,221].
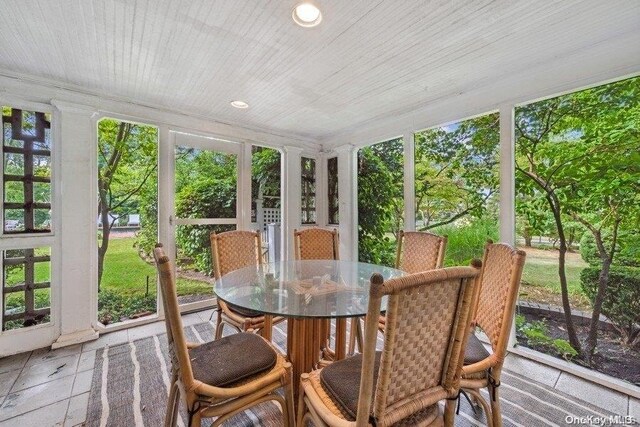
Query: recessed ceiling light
[239,104]
[306,14]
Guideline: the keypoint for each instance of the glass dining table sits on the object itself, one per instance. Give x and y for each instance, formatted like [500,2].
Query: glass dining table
[309,294]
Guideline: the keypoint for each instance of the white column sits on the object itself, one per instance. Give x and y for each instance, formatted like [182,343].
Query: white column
[409,181]
[508,186]
[244,188]
[78,211]
[348,202]
[291,198]
[321,190]
[507,175]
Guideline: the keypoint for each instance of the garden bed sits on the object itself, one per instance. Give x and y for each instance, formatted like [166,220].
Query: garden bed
[612,357]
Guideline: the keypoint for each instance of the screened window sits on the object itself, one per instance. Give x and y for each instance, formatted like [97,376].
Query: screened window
[332,190]
[308,191]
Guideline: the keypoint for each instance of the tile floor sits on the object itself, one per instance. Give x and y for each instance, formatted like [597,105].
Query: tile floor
[51,388]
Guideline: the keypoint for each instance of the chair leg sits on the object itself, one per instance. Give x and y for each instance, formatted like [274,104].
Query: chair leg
[450,412]
[352,335]
[173,403]
[289,413]
[195,419]
[495,405]
[488,413]
[302,409]
[219,325]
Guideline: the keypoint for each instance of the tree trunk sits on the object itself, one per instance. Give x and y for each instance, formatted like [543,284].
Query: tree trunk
[527,241]
[554,203]
[106,230]
[603,281]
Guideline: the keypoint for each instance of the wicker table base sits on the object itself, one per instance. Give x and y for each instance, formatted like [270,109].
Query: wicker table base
[307,345]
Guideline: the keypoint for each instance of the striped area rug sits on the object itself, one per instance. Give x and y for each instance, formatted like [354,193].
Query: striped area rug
[130,388]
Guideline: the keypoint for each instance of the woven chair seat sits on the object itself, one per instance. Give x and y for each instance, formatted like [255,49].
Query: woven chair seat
[230,359]
[341,381]
[244,311]
[475,351]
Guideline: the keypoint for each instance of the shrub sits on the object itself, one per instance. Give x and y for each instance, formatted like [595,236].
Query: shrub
[465,242]
[564,349]
[627,255]
[622,300]
[115,307]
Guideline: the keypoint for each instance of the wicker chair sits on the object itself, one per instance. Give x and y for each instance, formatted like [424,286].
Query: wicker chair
[231,251]
[202,374]
[417,251]
[319,243]
[420,363]
[494,309]
[316,243]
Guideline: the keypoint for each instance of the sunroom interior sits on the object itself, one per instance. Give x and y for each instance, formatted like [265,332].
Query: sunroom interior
[125,122]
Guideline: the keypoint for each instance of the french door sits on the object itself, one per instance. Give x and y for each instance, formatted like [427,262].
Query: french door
[205,199]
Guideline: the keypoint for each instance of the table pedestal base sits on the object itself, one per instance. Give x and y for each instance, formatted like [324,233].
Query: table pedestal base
[308,345]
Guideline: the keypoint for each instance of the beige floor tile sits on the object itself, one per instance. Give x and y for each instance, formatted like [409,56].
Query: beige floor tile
[46,371]
[46,354]
[82,383]
[77,412]
[6,381]
[87,360]
[111,339]
[11,363]
[30,399]
[51,415]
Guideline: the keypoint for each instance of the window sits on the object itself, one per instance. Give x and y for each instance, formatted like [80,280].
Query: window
[380,201]
[27,287]
[127,219]
[332,190]
[308,191]
[456,184]
[27,171]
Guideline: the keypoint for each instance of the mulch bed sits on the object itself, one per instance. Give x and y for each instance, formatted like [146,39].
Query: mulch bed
[612,356]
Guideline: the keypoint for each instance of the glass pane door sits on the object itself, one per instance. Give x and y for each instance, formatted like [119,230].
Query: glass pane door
[205,200]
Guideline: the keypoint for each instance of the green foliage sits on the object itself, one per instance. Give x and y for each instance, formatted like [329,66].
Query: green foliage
[380,201]
[456,170]
[564,349]
[537,335]
[628,255]
[622,300]
[466,242]
[116,306]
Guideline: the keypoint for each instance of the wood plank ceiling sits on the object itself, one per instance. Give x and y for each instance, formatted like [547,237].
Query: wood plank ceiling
[367,59]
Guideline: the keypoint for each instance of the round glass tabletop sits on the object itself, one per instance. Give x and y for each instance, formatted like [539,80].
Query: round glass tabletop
[319,288]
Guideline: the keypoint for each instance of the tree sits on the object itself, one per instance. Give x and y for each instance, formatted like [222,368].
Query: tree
[456,170]
[580,153]
[127,161]
[606,182]
[380,200]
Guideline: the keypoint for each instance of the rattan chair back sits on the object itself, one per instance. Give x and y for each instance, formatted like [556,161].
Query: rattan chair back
[497,294]
[420,251]
[428,316]
[178,352]
[233,250]
[316,243]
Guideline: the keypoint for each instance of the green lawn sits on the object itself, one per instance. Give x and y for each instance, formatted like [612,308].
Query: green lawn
[126,273]
[540,281]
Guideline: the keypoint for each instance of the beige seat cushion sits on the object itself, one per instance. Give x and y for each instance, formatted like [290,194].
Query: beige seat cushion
[231,359]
